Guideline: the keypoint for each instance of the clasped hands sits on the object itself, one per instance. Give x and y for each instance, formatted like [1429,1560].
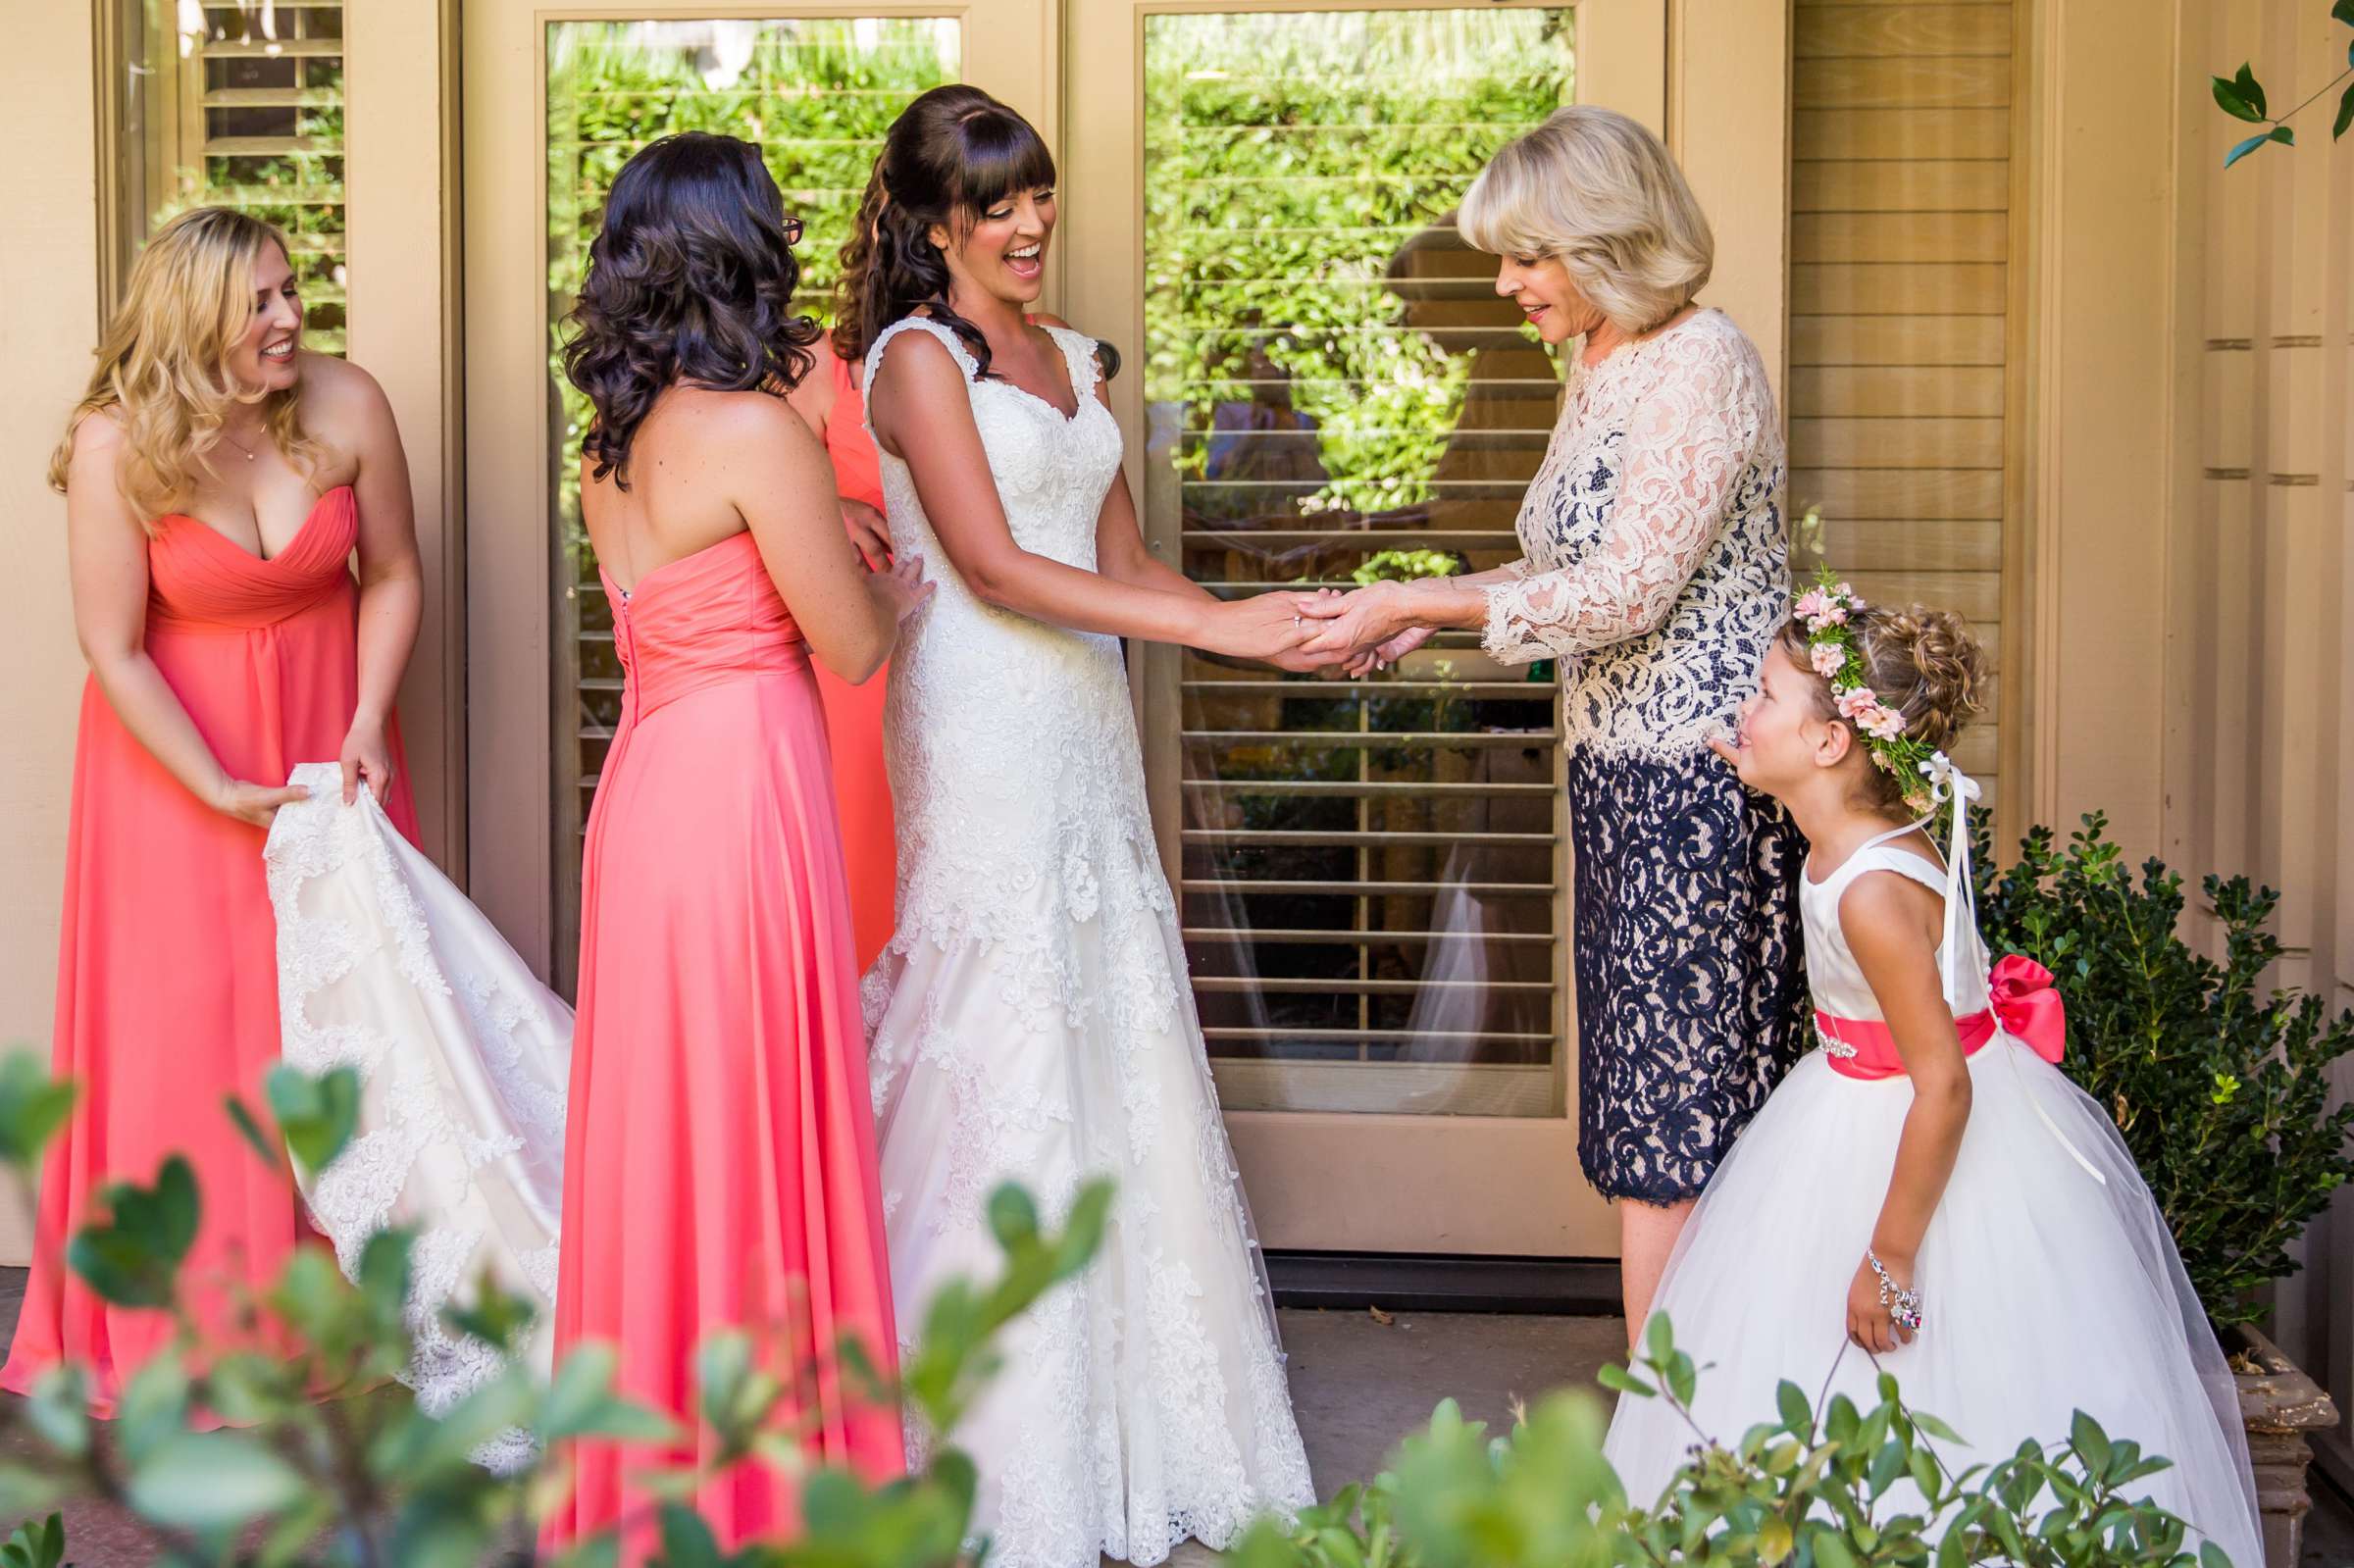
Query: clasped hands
[1361,630]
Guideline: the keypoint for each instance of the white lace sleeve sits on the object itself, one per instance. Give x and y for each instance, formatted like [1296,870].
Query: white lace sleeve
[1686,444]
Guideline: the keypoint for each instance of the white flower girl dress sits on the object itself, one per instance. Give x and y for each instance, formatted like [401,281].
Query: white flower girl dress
[2049,1282]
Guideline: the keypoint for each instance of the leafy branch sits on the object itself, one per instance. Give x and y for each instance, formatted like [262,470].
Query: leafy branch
[2242,96]
[329,1460]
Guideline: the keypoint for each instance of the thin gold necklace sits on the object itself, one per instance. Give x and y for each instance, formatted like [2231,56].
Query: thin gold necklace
[250,454]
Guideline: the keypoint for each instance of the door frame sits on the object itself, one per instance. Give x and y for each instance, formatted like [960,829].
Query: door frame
[1636,56]
[509,615]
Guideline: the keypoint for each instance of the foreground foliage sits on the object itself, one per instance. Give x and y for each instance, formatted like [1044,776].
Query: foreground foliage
[1832,1487]
[329,1460]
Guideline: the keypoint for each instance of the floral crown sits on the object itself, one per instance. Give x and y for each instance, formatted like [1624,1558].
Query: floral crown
[1837,655]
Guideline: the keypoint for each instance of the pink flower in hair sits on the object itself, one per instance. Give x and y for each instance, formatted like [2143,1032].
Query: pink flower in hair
[1827,657]
[1857,705]
[1814,608]
[1885,724]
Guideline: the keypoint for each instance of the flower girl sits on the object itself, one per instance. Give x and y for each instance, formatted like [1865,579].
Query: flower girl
[1926,1189]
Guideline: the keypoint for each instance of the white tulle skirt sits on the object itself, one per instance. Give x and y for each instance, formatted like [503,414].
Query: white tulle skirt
[2045,1290]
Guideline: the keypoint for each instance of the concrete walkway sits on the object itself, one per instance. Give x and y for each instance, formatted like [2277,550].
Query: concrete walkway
[1360,1384]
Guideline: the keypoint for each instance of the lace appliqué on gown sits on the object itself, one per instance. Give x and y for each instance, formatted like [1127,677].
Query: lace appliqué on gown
[1691,1000]
[1657,567]
[1031,1021]
[463,1059]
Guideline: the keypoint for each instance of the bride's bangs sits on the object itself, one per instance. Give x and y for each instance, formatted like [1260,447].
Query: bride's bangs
[1003,155]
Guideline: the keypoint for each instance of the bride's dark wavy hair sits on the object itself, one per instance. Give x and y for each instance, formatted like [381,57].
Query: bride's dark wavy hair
[691,279]
[951,155]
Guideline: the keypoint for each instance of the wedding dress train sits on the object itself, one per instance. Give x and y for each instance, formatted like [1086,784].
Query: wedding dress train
[384,966]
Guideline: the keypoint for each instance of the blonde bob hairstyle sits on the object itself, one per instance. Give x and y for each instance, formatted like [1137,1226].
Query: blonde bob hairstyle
[163,362]
[1599,193]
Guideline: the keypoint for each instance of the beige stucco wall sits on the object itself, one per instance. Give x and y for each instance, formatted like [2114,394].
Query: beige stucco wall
[2259,773]
[2191,468]
[49,321]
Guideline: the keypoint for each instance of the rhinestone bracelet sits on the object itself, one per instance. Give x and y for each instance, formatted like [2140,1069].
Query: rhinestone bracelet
[1902,1301]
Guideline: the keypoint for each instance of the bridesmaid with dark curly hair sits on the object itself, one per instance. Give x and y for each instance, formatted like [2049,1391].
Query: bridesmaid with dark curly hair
[720,1160]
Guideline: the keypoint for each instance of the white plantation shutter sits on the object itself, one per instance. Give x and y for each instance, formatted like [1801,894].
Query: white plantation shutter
[261,107]
[1900,248]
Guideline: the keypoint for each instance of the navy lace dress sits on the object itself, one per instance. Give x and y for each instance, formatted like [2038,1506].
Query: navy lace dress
[1657,574]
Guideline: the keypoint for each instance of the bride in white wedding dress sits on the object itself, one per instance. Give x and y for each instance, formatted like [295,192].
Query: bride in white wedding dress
[1031,1020]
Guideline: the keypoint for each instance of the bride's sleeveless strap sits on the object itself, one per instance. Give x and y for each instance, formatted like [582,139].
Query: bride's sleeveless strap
[1079,357]
[925,324]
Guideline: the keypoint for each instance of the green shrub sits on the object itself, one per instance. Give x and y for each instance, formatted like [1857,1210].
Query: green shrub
[1812,1490]
[2220,1084]
[325,1463]
[327,1466]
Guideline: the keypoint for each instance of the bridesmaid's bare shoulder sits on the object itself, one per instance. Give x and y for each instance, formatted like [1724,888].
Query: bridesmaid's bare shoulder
[747,447]
[812,396]
[345,408]
[98,442]
[719,426]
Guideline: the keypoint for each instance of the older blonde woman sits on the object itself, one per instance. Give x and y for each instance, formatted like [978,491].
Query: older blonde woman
[218,480]
[1656,571]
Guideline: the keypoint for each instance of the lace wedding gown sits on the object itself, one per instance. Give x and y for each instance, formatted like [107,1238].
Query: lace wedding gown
[384,966]
[1031,1021]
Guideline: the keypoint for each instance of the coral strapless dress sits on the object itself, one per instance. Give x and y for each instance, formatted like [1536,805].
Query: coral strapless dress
[854,714]
[167,989]
[719,1167]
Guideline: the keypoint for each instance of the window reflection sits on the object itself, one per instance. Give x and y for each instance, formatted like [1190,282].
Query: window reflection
[1371,869]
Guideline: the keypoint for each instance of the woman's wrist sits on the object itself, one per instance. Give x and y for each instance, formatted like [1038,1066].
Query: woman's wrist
[1450,604]
[1198,620]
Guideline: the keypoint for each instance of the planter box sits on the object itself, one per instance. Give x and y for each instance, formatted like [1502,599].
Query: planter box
[2281,1406]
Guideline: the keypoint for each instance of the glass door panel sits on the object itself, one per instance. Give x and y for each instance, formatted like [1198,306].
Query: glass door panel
[1371,869]
[817,94]
[1260,204]
[556,99]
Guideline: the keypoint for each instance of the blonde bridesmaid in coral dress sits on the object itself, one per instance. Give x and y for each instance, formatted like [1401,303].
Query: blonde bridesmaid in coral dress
[720,1160]
[223,653]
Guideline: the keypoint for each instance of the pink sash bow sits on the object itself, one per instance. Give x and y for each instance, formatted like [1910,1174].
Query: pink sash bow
[2023,1005]
[2029,1009]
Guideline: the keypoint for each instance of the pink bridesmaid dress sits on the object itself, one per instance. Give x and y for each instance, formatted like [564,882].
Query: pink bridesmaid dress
[854,714]
[167,991]
[720,1163]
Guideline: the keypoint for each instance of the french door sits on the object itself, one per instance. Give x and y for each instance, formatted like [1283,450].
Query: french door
[1371,874]
[556,99]
[1319,386]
